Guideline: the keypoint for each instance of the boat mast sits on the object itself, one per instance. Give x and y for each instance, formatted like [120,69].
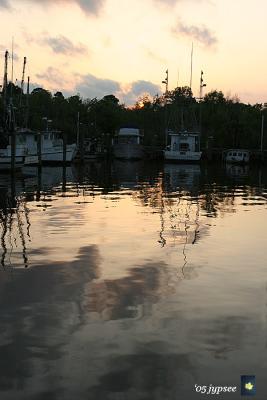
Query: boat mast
[166,83]
[27,104]
[22,80]
[4,89]
[202,85]
[12,70]
[191,68]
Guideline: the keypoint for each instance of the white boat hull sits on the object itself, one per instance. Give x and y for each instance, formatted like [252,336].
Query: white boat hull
[52,156]
[182,156]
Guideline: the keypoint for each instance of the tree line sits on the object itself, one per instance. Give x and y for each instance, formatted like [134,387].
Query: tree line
[226,121]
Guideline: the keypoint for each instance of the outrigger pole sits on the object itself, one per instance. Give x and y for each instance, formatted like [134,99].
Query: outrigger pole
[22,81]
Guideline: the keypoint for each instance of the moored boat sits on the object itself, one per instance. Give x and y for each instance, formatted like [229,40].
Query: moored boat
[237,156]
[51,147]
[184,147]
[127,144]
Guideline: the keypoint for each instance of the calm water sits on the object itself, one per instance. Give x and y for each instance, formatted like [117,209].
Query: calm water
[132,281]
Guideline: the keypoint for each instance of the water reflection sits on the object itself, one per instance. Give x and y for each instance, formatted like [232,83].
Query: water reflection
[131,281]
[237,171]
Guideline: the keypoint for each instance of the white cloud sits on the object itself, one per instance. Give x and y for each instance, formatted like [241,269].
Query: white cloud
[61,44]
[199,33]
[88,6]
[91,86]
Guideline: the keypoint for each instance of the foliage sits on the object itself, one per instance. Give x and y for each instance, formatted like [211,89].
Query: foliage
[228,121]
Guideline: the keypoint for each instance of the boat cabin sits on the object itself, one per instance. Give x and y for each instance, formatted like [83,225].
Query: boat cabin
[184,142]
[128,136]
[28,138]
[237,156]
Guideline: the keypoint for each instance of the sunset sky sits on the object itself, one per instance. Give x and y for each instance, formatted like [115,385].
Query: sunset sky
[99,47]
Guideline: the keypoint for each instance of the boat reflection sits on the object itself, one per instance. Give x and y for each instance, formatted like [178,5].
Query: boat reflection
[16,192]
[237,171]
[185,177]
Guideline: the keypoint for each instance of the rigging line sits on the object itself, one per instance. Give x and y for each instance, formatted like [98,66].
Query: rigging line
[196,223]
[186,237]
[23,242]
[10,237]
[27,218]
[3,240]
[162,223]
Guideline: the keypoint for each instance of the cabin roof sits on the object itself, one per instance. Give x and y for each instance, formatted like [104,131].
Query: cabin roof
[184,133]
[129,132]
[23,131]
[238,150]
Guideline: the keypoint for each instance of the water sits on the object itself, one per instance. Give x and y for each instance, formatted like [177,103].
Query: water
[132,281]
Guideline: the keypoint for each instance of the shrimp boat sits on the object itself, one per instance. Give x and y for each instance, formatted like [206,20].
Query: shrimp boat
[183,139]
[51,147]
[26,149]
[22,146]
[184,147]
[183,134]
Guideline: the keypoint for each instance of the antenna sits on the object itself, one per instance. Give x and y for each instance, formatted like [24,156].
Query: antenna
[191,71]
[166,81]
[178,75]
[202,85]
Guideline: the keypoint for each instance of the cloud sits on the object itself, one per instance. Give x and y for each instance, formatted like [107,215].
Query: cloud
[53,76]
[167,2]
[172,3]
[4,4]
[3,48]
[199,33]
[88,6]
[138,89]
[15,54]
[34,85]
[61,44]
[91,86]
[155,56]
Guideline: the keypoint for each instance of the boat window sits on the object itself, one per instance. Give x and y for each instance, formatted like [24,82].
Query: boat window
[184,146]
[240,154]
[234,154]
[127,139]
[230,153]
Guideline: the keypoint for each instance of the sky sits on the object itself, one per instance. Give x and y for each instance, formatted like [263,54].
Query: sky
[124,47]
